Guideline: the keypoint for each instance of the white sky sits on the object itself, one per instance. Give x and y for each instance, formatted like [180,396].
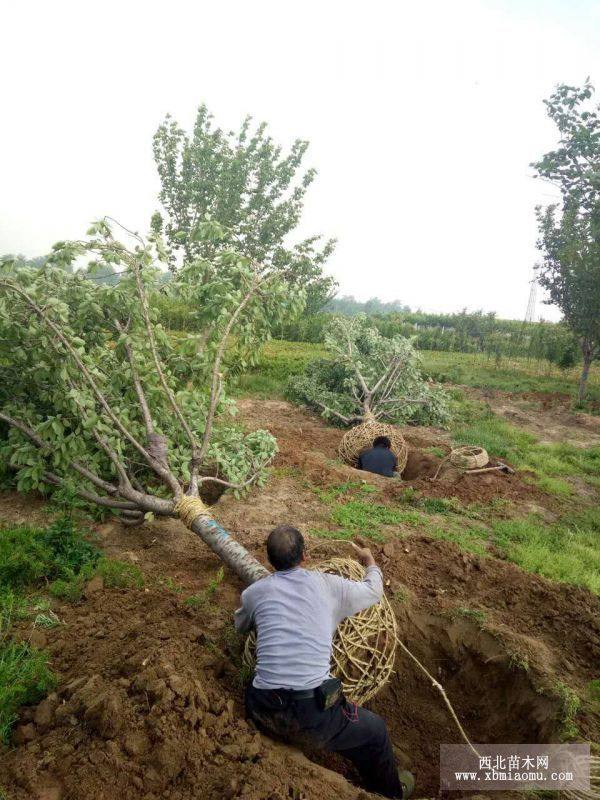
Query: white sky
[422,118]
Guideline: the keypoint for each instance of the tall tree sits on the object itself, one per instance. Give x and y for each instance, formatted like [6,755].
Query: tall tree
[246,183]
[570,231]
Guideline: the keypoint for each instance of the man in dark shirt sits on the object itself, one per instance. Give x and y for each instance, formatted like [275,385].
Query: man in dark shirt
[379,458]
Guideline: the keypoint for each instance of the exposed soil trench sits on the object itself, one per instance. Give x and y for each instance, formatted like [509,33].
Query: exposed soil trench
[495,700]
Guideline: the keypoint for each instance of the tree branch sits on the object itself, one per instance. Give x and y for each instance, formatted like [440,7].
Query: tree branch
[39,442]
[136,380]
[346,420]
[216,379]
[163,472]
[157,363]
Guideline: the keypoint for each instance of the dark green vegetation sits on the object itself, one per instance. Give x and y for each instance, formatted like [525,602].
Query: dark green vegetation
[61,559]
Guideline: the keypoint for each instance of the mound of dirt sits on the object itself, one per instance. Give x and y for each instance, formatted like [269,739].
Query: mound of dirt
[148,707]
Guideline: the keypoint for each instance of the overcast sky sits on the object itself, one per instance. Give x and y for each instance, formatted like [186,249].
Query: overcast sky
[422,117]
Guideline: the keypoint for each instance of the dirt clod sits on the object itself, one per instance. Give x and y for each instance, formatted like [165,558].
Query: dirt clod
[96,584]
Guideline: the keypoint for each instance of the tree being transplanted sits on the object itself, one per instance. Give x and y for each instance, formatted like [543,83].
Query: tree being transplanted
[368,377]
[243,182]
[570,234]
[97,399]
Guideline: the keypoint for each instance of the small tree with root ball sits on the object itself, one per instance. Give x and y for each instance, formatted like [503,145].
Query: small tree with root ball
[98,399]
[368,378]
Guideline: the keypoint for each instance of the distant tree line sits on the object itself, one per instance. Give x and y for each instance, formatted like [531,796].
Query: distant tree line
[462,333]
[349,306]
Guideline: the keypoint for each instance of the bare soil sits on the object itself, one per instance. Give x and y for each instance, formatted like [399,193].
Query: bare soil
[549,416]
[149,697]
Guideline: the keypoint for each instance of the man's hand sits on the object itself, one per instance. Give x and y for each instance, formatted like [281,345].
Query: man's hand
[364,555]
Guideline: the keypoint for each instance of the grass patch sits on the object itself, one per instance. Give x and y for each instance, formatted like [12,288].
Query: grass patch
[594,690]
[361,518]
[570,707]
[207,595]
[353,514]
[510,375]
[401,595]
[119,574]
[440,505]
[24,673]
[474,540]
[474,614]
[555,486]
[347,489]
[25,678]
[566,551]
[277,362]
[69,589]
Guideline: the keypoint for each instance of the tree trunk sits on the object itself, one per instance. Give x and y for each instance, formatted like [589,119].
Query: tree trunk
[231,552]
[588,354]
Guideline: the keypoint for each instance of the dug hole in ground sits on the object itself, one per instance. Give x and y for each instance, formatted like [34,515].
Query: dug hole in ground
[149,702]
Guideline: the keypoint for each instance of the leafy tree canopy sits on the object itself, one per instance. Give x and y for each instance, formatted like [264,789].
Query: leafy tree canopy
[368,376]
[97,399]
[246,183]
[570,231]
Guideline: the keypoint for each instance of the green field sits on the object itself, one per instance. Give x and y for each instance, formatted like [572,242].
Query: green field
[280,359]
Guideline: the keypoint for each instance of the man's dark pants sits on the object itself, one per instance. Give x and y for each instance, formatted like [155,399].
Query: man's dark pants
[345,728]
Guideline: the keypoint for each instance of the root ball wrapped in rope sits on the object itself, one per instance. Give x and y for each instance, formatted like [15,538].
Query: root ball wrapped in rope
[361,437]
[364,644]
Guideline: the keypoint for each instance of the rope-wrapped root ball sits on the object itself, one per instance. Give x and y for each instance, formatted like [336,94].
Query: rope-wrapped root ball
[364,645]
[469,457]
[359,438]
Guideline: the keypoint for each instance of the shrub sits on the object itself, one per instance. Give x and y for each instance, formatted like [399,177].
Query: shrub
[29,555]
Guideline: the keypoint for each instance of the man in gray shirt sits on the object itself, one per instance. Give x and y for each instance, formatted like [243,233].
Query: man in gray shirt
[296,612]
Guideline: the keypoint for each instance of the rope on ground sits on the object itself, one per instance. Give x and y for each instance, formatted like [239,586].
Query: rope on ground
[188,508]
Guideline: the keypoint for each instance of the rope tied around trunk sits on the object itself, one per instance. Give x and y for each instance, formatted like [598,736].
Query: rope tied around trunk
[189,508]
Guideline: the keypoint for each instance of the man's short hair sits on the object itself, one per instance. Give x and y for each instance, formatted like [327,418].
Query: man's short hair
[285,547]
[382,441]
